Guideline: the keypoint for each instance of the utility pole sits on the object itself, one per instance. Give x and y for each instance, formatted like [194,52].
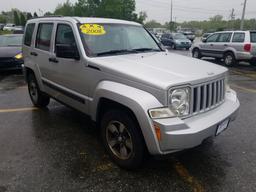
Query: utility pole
[232,18]
[171,16]
[243,15]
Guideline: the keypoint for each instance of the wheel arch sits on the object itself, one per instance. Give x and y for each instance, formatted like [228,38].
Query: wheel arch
[137,102]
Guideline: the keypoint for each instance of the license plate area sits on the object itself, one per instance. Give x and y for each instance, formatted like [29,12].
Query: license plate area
[222,127]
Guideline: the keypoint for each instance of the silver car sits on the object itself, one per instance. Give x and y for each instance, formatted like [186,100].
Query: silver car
[231,46]
[142,98]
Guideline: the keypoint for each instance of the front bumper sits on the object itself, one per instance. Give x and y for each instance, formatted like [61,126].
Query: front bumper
[10,64]
[187,46]
[178,134]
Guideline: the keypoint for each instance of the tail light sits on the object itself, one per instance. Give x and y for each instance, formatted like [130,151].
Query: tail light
[248,47]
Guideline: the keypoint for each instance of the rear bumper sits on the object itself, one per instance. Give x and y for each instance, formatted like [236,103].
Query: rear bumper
[177,134]
[243,56]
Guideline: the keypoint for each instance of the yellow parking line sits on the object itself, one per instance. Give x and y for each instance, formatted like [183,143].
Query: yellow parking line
[184,174]
[18,110]
[243,88]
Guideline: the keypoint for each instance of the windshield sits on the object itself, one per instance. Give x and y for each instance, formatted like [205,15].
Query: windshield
[179,36]
[111,39]
[6,41]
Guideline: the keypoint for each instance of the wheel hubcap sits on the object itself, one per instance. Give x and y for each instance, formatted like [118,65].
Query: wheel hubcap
[229,60]
[33,90]
[196,54]
[119,140]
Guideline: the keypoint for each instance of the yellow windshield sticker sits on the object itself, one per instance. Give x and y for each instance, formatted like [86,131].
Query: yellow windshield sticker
[92,29]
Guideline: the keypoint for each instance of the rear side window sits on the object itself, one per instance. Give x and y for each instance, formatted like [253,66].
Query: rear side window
[29,33]
[224,37]
[253,37]
[43,38]
[238,37]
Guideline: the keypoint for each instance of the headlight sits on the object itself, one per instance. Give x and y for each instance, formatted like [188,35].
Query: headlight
[177,41]
[179,101]
[18,56]
[161,113]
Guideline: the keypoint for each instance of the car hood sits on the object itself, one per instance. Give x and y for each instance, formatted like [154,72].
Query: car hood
[160,69]
[9,51]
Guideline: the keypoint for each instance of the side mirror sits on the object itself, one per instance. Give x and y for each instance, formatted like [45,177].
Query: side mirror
[67,51]
[204,40]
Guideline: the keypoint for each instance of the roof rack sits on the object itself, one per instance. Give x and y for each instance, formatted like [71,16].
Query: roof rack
[50,16]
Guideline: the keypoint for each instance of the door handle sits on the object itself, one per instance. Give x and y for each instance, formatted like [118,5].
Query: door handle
[211,44]
[225,45]
[53,60]
[34,54]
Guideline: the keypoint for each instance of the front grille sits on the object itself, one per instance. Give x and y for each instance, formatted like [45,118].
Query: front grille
[6,59]
[207,96]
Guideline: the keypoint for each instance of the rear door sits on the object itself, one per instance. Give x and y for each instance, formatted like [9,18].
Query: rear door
[209,47]
[41,52]
[238,41]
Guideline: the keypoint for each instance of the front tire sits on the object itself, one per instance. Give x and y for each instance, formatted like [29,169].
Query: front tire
[38,98]
[122,138]
[196,53]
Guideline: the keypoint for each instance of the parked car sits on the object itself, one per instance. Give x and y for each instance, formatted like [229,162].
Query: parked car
[231,46]
[190,35]
[18,30]
[10,52]
[205,36]
[176,40]
[142,98]
[1,26]
[9,27]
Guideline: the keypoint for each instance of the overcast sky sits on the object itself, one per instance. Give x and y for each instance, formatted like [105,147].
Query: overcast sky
[183,10]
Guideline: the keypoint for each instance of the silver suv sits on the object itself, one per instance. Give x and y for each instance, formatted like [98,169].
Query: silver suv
[142,98]
[231,46]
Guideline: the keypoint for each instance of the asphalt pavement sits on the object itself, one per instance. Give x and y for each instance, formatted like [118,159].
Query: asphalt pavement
[58,149]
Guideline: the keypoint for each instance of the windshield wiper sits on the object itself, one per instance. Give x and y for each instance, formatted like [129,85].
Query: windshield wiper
[113,52]
[146,49]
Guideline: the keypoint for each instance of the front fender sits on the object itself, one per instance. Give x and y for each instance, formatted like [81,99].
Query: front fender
[138,101]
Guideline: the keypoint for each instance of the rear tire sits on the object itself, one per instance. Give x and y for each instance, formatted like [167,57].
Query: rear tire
[196,53]
[122,138]
[253,63]
[38,98]
[229,59]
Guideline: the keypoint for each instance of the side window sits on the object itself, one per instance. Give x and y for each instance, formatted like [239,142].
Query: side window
[224,37]
[212,38]
[238,37]
[65,35]
[43,38]
[29,33]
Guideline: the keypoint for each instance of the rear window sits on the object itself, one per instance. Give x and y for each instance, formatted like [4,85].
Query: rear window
[44,34]
[238,37]
[29,33]
[253,37]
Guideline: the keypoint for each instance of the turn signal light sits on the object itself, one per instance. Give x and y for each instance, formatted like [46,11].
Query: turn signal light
[158,132]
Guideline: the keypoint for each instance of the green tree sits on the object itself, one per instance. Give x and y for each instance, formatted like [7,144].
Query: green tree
[29,16]
[153,24]
[16,18]
[48,13]
[35,15]
[65,9]
[22,19]
[2,19]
